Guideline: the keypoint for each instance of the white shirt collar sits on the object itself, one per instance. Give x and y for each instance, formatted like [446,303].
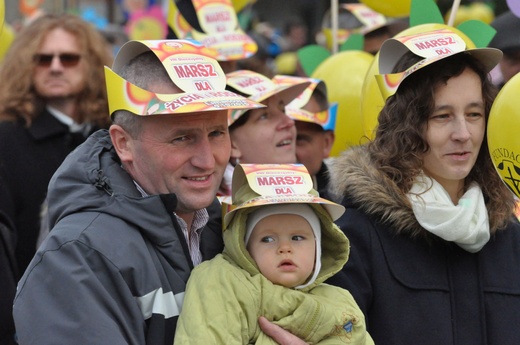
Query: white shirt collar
[68,121]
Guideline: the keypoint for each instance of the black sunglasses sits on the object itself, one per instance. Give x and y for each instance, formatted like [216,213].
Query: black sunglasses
[66,59]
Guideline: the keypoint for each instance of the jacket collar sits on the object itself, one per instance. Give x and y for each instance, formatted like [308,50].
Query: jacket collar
[45,125]
[356,181]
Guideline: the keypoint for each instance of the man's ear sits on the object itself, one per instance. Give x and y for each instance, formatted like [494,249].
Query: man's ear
[122,142]
[329,142]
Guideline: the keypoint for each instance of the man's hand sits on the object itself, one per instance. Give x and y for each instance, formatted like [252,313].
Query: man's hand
[280,335]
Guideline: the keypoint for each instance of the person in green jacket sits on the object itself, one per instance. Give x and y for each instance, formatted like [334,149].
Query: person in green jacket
[281,244]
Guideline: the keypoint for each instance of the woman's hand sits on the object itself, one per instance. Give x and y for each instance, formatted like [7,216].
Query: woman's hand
[280,335]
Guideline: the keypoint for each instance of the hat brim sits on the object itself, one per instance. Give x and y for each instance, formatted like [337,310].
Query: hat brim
[334,210]
[253,184]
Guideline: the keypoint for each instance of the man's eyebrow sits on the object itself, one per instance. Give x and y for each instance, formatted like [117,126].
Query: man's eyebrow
[221,127]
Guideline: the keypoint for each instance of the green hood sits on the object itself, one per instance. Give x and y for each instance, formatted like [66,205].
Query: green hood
[335,245]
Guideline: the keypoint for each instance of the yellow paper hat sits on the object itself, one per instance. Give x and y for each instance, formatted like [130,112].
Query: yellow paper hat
[432,46]
[354,18]
[258,88]
[190,65]
[220,28]
[265,184]
[325,118]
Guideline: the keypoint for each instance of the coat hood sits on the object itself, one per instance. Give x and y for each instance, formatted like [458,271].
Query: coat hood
[334,244]
[91,179]
[355,180]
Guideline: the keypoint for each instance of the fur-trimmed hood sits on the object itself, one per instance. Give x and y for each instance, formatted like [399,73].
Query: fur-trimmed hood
[357,182]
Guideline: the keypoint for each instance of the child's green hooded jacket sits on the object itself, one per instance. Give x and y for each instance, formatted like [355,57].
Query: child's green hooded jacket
[226,295]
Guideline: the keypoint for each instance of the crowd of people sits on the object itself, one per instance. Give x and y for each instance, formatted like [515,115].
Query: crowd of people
[153,196]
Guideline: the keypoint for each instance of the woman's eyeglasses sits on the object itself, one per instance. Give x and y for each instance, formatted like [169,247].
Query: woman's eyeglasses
[66,59]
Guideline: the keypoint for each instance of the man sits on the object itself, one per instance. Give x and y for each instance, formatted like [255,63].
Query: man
[129,206]
[315,121]
[51,99]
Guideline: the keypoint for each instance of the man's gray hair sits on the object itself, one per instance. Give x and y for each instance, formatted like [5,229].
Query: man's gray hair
[146,71]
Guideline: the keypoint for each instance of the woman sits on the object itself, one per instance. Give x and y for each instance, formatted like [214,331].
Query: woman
[435,249]
[266,135]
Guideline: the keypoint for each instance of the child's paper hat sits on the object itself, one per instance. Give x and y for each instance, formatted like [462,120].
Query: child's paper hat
[265,184]
[191,66]
[258,88]
[432,46]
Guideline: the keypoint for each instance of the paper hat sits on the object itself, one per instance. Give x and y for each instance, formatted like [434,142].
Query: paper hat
[214,24]
[265,184]
[190,66]
[354,19]
[432,46]
[325,118]
[370,19]
[258,88]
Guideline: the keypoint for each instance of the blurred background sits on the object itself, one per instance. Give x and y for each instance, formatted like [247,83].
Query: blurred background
[277,13]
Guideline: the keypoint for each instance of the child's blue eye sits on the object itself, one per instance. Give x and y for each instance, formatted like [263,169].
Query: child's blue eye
[267,239]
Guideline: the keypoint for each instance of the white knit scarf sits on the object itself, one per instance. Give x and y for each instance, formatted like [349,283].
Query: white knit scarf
[466,224]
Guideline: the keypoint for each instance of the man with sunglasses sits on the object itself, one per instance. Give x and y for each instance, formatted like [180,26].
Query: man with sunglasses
[130,207]
[51,98]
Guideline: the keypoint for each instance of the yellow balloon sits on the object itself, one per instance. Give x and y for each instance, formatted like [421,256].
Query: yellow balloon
[502,134]
[481,11]
[344,73]
[394,8]
[371,99]
[475,11]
